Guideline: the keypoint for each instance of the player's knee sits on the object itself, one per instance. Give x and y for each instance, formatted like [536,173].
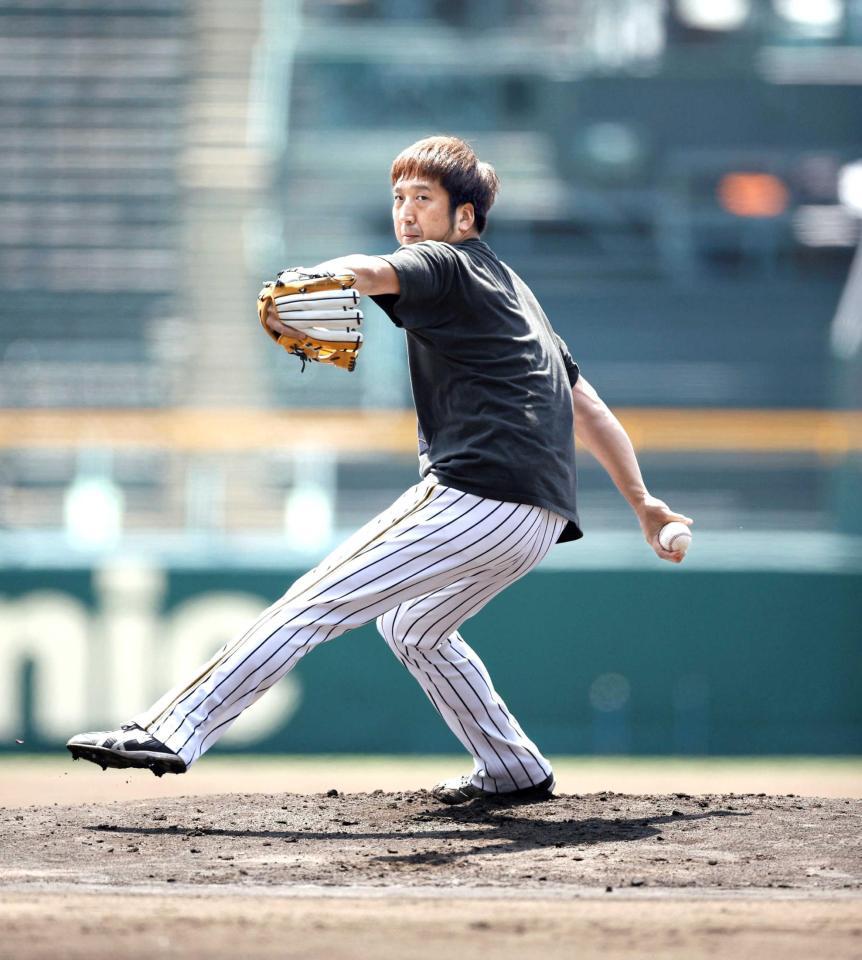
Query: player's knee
[388,626]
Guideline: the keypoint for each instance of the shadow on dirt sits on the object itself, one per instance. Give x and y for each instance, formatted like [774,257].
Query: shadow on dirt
[516,834]
[494,828]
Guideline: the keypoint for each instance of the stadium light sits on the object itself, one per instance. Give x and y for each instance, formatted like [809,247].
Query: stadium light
[309,504]
[850,187]
[308,517]
[93,512]
[810,13]
[719,15]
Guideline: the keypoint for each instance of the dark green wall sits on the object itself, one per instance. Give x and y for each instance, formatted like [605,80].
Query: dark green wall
[682,661]
[740,663]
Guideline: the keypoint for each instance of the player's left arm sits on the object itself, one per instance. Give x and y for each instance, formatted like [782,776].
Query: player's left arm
[606,439]
[374,275]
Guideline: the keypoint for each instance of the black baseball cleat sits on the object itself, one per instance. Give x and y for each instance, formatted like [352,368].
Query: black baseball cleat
[130,746]
[461,790]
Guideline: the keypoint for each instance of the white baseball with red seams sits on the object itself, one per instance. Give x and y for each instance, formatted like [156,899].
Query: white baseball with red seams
[675,537]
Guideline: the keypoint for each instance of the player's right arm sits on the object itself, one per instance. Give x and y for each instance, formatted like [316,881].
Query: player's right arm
[605,437]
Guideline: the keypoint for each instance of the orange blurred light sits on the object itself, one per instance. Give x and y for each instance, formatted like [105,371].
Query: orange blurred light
[752,194]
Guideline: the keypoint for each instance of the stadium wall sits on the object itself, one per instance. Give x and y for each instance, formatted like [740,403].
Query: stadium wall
[622,661]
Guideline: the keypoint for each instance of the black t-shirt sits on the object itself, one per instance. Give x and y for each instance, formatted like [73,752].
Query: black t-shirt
[491,380]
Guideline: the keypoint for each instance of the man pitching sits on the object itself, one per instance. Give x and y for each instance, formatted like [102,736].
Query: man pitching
[497,394]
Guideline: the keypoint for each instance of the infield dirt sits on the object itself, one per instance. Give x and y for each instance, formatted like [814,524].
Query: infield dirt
[395,874]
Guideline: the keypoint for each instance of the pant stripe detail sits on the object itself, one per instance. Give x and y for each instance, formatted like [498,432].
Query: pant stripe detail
[389,555]
[271,611]
[262,685]
[224,701]
[409,543]
[280,669]
[421,674]
[477,720]
[484,588]
[475,750]
[423,567]
[495,565]
[539,764]
[270,614]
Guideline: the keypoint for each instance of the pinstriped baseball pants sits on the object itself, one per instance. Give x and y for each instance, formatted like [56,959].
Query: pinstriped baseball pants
[420,569]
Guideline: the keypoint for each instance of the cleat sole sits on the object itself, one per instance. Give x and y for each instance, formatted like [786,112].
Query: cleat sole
[105,758]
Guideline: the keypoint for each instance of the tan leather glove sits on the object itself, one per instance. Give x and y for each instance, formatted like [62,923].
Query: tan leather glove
[323,312]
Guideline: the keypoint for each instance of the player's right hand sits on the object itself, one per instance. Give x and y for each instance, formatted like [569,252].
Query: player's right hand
[653,514]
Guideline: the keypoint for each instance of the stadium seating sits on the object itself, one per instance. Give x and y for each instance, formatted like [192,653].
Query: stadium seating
[91,98]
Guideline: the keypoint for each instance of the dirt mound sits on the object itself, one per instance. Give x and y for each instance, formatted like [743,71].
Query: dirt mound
[606,840]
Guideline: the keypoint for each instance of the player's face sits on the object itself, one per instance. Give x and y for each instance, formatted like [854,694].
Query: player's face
[420,211]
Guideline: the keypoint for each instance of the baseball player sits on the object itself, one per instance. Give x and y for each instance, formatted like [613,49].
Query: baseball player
[497,394]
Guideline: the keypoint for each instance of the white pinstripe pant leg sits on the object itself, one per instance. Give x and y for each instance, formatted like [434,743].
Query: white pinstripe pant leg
[423,635]
[430,538]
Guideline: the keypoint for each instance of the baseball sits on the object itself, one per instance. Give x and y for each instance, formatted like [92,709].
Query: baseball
[675,537]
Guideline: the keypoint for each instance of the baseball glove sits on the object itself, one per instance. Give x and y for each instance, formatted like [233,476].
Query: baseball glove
[321,309]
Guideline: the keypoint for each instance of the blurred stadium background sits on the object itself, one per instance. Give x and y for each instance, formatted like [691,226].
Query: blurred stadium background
[682,187]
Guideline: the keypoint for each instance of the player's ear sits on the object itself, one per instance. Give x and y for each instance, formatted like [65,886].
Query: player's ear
[465,217]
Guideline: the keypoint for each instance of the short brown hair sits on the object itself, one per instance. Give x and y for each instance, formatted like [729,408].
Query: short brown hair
[460,172]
